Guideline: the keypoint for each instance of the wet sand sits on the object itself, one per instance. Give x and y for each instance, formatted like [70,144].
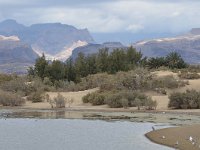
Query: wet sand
[177,137]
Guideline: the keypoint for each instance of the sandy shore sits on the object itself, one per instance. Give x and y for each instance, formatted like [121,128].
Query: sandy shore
[177,137]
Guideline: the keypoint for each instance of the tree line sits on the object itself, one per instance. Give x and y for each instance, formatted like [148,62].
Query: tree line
[104,61]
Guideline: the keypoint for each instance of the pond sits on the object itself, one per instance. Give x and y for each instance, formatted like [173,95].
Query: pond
[75,134]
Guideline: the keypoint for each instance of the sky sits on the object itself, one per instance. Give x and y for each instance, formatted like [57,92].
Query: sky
[109,18]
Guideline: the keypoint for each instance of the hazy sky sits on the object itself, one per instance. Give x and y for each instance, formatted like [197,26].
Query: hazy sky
[108,16]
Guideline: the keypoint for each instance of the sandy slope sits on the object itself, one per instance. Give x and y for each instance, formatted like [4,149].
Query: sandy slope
[76,96]
[163,100]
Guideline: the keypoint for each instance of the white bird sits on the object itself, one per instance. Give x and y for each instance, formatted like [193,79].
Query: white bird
[176,143]
[191,138]
[163,137]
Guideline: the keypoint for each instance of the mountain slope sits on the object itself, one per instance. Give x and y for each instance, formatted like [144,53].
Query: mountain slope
[15,56]
[188,46]
[48,38]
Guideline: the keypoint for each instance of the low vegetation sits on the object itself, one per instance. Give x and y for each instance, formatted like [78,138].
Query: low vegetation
[120,99]
[187,100]
[59,101]
[10,99]
[189,75]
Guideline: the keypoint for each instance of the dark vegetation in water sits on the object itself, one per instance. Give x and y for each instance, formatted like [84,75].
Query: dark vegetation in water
[122,76]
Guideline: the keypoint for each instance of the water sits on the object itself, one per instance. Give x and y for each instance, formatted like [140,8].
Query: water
[68,134]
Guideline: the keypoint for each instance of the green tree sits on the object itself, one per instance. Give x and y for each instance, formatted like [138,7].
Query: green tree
[133,57]
[102,60]
[41,66]
[156,62]
[70,72]
[91,64]
[174,60]
[81,66]
[118,61]
[56,71]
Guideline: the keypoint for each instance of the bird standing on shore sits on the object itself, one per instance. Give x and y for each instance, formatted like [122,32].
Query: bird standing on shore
[190,138]
[176,143]
[153,128]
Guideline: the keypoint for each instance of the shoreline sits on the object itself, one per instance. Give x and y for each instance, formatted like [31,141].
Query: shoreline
[95,109]
[177,137]
[168,117]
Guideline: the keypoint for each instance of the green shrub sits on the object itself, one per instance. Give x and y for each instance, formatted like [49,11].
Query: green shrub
[86,98]
[94,98]
[114,101]
[10,99]
[188,100]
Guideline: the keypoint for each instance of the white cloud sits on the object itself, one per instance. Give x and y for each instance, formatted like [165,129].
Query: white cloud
[134,28]
[108,16]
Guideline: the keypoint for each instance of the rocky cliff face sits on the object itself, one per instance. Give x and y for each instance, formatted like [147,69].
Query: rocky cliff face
[48,38]
[15,56]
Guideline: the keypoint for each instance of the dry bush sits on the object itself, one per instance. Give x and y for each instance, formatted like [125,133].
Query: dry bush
[36,97]
[187,100]
[5,78]
[10,99]
[189,75]
[60,101]
[119,99]
[167,82]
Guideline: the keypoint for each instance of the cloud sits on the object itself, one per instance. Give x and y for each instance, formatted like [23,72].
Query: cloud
[134,28]
[101,16]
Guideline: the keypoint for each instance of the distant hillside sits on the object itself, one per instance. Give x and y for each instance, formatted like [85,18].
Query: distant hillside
[48,38]
[187,45]
[94,48]
[15,56]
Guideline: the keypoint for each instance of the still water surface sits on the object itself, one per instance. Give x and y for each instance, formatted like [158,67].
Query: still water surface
[69,134]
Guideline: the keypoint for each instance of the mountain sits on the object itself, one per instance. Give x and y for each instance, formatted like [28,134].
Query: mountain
[188,46]
[195,31]
[48,38]
[94,48]
[15,56]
